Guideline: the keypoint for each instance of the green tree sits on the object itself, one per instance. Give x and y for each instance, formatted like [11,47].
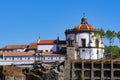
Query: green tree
[115,50]
[110,35]
[118,35]
[107,50]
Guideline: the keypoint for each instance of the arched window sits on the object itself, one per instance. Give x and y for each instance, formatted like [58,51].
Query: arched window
[97,43]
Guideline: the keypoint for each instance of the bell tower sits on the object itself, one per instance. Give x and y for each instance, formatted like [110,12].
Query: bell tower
[70,57]
[71,52]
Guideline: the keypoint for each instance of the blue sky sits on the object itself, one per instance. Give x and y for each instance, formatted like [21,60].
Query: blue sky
[21,21]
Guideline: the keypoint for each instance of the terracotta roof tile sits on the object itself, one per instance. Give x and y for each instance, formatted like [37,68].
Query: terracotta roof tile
[33,46]
[47,42]
[84,27]
[42,42]
[15,47]
[17,53]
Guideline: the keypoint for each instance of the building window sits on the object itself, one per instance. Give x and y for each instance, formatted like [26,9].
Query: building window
[13,58]
[83,42]
[83,50]
[97,74]
[87,73]
[97,43]
[44,58]
[51,58]
[1,56]
[51,50]
[20,58]
[46,50]
[59,57]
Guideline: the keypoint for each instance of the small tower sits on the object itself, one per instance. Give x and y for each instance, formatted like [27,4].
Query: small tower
[57,46]
[71,52]
[70,56]
[38,40]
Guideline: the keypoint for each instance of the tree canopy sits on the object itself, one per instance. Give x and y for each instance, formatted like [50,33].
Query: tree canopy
[110,35]
[118,35]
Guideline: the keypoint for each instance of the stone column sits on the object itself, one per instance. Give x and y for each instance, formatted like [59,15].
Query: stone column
[67,70]
[102,70]
[92,70]
[82,70]
[112,75]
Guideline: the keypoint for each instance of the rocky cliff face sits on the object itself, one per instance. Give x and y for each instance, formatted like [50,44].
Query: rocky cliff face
[12,73]
[37,73]
[14,78]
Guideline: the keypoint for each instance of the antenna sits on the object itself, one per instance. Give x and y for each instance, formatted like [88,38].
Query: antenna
[57,36]
[38,36]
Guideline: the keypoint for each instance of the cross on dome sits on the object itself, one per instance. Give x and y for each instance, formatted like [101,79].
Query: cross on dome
[84,19]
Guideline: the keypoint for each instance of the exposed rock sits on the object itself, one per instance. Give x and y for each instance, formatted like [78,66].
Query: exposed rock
[51,75]
[12,73]
[32,76]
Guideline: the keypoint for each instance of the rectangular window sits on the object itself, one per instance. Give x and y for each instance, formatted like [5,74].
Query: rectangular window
[51,50]
[44,58]
[97,43]
[20,58]
[1,56]
[12,58]
[46,50]
[83,41]
[59,57]
[51,58]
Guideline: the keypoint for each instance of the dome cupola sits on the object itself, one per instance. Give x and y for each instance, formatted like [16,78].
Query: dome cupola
[84,25]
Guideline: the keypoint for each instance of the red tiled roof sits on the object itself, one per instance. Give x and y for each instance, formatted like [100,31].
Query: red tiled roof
[47,42]
[52,54]
[84,27]
[33,46]
[17,53]
[15,47]
[43,42]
